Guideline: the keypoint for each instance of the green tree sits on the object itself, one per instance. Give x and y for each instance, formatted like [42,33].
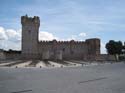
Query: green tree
[114,48]
[123,49]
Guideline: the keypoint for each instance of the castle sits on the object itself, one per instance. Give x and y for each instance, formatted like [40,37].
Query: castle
[32,48]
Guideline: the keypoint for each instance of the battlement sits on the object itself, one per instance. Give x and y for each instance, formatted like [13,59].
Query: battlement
[62,42]
[92,39]
[71,41]
[93,42]
[30,20]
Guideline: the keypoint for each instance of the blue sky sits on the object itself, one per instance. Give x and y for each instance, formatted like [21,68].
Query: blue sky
[64,20]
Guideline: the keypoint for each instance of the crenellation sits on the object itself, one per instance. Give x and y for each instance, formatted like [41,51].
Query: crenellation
[30,20]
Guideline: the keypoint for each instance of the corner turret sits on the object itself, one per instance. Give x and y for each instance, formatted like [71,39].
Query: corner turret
[93,46]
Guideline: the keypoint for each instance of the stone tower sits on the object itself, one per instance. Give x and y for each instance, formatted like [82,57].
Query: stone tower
[93,46]
[30,32]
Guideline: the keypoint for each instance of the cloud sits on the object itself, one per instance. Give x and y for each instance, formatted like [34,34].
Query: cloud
[13,34]
[10,39]
[46,36]
[2,34]
[82,34]
[103,49]
[77,37]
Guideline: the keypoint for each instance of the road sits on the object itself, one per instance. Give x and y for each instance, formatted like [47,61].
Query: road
[106,78]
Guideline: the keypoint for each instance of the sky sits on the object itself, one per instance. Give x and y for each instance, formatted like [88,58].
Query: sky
[63,20]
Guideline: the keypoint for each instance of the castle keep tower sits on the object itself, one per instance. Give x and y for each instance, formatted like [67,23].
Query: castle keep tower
[30,31]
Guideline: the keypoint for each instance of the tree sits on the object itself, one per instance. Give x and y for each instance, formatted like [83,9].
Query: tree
[114,48]
[123,49]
